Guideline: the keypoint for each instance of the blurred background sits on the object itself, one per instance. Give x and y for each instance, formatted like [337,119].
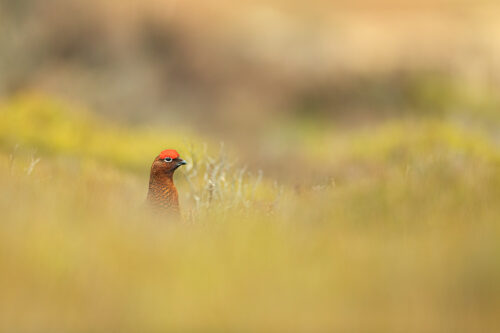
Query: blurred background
[257,74]
[344,165]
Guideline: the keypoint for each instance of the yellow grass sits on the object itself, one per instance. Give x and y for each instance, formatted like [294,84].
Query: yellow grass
[406,241]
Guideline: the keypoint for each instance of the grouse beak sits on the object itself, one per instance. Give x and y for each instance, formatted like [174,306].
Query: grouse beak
[181,162]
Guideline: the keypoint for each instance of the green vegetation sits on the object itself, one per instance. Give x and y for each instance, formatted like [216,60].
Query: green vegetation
[402,237]
[56,128]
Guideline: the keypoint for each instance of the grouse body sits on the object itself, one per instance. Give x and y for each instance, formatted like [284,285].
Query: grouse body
[162,194]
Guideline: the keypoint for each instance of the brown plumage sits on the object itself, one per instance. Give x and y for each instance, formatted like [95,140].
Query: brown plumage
[162,194]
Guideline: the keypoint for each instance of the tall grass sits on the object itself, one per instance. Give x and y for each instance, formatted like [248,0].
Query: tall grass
[407,240]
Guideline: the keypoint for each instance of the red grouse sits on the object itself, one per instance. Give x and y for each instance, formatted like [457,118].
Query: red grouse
[162,194]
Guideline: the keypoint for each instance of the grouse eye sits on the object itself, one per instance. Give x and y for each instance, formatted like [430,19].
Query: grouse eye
[168,159]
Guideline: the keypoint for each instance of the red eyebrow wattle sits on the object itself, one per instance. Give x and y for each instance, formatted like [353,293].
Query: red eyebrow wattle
[172,153]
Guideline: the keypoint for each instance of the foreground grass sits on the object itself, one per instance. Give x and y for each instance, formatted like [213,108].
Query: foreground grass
[409,244]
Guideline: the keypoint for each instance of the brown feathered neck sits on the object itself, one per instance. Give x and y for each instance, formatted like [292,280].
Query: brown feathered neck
[162,192]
